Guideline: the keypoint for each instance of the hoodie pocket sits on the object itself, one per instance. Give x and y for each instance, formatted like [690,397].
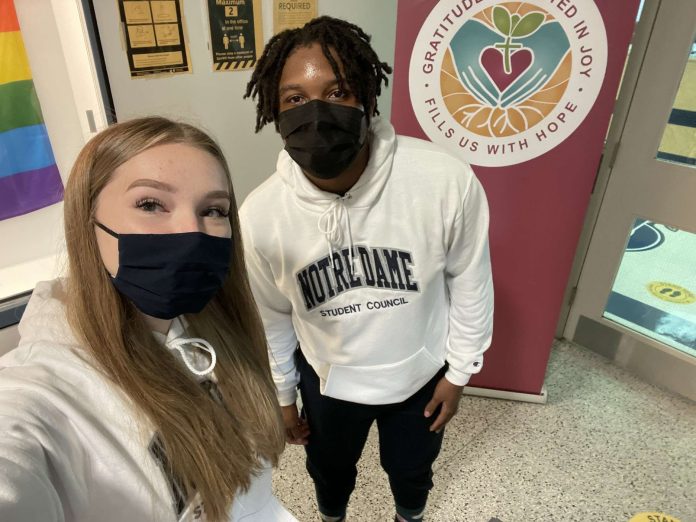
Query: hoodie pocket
[383,383]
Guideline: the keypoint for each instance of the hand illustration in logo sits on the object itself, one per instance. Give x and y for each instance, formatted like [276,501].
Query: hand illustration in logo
[506,69]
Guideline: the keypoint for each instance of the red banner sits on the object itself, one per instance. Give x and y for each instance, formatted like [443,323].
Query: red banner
[523,91]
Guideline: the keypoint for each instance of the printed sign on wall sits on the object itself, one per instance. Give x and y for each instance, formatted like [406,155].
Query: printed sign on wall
[236,34]
[154,37]
[29,177]
[289,15]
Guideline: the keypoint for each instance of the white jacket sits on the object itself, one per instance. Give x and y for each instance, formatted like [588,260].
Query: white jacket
[70,447]
[420,292]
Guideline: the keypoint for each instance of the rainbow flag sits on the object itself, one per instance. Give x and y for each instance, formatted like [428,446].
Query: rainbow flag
[29,177]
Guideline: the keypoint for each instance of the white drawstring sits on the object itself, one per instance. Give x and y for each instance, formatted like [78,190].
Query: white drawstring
[330,225]
[330,222]
[177,344]
[351,246]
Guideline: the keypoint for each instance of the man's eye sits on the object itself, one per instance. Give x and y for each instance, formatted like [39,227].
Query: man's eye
[295,99]
[338,94]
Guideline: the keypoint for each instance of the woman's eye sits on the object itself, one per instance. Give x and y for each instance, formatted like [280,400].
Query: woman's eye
[149,205]
[216,212]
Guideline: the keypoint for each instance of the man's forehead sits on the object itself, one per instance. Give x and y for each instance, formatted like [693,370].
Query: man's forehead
[309,64]
[313,52]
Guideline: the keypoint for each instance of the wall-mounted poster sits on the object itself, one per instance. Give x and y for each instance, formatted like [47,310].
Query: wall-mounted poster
[154,37]
[29,178]
[289,15]
[236,35]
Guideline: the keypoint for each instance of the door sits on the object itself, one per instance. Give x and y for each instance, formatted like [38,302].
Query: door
[636,295]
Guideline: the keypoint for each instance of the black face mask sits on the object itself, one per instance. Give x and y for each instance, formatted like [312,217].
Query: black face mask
[323,138]
[166,275]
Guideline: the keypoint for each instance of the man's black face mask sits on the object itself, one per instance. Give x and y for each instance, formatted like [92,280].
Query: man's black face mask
[323,138]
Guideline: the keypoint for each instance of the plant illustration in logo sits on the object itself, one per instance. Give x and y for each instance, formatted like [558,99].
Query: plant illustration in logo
[505,69]
[510,26]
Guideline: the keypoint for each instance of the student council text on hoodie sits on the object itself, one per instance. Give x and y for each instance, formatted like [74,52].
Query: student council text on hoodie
[381,286]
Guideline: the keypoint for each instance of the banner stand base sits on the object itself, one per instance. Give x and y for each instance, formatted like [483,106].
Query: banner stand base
[507,395]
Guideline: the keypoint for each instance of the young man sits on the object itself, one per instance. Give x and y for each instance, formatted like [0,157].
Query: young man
[371,251]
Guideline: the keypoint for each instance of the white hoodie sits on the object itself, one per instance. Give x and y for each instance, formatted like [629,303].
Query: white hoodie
[420,292]
[70,447]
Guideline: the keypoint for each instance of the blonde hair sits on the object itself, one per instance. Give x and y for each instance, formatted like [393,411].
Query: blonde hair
[212,447]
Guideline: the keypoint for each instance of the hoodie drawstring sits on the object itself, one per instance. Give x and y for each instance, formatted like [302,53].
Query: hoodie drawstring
[351,246]
[330,225]
[177,344]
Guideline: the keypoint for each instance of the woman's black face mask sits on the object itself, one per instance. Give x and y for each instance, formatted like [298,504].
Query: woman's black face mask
[166,275]
[323,138]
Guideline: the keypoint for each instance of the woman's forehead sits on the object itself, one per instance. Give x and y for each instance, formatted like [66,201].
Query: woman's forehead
[173,163]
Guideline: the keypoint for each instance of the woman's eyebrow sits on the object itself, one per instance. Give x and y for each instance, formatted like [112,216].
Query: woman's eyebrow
[153,183]
[218,194]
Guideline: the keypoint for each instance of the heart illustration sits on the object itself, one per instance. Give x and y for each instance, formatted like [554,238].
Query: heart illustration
[492,62]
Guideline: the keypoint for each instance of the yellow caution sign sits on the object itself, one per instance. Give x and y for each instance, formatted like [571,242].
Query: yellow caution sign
[653,517]
[671,292]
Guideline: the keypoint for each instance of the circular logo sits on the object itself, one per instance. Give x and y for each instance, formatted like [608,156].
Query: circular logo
[672,293]
[504,82]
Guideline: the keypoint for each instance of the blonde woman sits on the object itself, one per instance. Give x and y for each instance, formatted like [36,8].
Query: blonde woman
[140,390]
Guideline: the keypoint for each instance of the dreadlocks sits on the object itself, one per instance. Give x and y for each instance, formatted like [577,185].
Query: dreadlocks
[364,73]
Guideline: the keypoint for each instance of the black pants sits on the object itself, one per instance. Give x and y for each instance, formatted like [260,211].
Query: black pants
[339,430]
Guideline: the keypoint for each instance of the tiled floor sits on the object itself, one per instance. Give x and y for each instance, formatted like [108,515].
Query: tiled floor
[604,448]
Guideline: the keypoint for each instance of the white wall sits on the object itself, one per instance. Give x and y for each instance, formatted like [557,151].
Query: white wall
[214,101]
